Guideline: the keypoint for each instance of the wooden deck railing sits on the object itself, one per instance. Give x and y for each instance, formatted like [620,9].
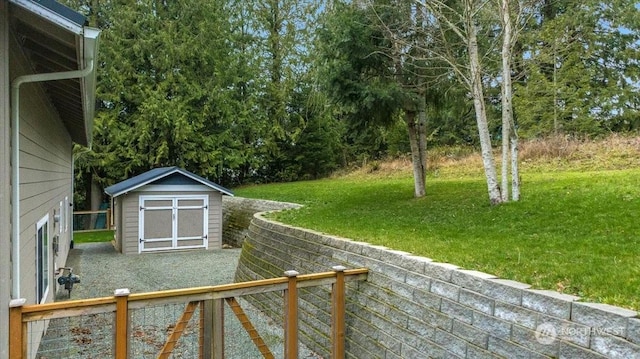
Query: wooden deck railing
[210,303]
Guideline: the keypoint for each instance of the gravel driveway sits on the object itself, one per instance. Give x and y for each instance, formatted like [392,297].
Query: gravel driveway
[102,270]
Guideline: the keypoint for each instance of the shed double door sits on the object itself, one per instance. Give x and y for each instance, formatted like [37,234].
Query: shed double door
[173,222]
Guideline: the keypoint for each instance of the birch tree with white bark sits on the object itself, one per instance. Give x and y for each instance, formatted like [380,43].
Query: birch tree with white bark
[508,9]
[464,35]
[454,31]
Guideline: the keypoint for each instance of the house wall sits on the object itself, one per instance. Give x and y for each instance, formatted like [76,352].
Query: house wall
[130,217]
[5,180]
[45,177]
[412,307]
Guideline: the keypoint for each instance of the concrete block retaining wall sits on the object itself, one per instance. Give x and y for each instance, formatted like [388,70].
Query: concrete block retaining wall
[412,307]
[237,213]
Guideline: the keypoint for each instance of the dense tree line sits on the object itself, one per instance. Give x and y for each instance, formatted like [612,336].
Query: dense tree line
[282,90]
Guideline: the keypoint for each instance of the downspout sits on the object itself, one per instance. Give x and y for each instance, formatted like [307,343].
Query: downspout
[71,199]
[15,159]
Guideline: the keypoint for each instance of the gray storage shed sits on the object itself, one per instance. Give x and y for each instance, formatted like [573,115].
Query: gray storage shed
[167,209]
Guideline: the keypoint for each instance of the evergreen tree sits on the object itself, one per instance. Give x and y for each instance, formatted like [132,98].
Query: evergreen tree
[374,78]
[582,67]
[164,90]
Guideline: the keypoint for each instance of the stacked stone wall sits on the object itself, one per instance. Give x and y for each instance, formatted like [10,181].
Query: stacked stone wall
[237,213]
[413,307]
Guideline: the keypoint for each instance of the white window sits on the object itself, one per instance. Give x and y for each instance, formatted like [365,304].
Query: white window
[42,259]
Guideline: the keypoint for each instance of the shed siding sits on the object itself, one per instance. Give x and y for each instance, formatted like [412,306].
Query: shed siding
[215,220]
[5,177]
[116,211]
[45,176]
[131,211]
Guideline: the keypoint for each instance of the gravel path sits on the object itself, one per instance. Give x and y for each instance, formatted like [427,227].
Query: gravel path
[102,270]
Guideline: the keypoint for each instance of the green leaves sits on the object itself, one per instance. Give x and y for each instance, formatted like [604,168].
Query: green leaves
[220,88]
[159,70]
[243,91]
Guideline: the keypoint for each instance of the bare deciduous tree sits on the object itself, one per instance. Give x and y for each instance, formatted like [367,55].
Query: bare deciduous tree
[454,29]
[509,134]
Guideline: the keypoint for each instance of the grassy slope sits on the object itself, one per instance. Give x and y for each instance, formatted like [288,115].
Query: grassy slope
[574,231]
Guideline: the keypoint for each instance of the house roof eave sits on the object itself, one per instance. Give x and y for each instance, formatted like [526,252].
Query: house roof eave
[55,40]
[56,13]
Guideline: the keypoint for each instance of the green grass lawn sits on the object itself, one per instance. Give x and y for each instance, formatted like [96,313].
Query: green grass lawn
[575,232]
[93,236]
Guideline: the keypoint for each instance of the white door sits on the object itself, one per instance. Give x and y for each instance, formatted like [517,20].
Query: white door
[168,222]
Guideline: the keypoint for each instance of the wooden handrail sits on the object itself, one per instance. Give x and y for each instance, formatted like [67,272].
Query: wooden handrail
[70,304]
[261,286]
[242,285]
[122,302]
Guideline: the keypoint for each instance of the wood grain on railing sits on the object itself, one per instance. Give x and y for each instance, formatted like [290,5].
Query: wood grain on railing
[178,329]
[249,328]
[209,298]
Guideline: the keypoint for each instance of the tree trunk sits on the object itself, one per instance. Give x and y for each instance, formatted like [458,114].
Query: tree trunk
[509,136]
[507,107]
[515,172]
[422,141]
[95,201]
[504,189]
[418,151]
[478,103]
[96,195]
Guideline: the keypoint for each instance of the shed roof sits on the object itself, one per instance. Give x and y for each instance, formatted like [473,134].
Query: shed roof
[157,174]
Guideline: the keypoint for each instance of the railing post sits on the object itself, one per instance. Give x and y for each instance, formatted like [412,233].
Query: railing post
[291,316]
[214,329]
[218,329]
[202,325]
[337,314]
[17,331]
[122,323]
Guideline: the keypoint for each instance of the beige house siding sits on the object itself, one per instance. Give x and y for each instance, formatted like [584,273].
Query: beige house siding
[5,177]
[45,177]
[129,205]
[43,147]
